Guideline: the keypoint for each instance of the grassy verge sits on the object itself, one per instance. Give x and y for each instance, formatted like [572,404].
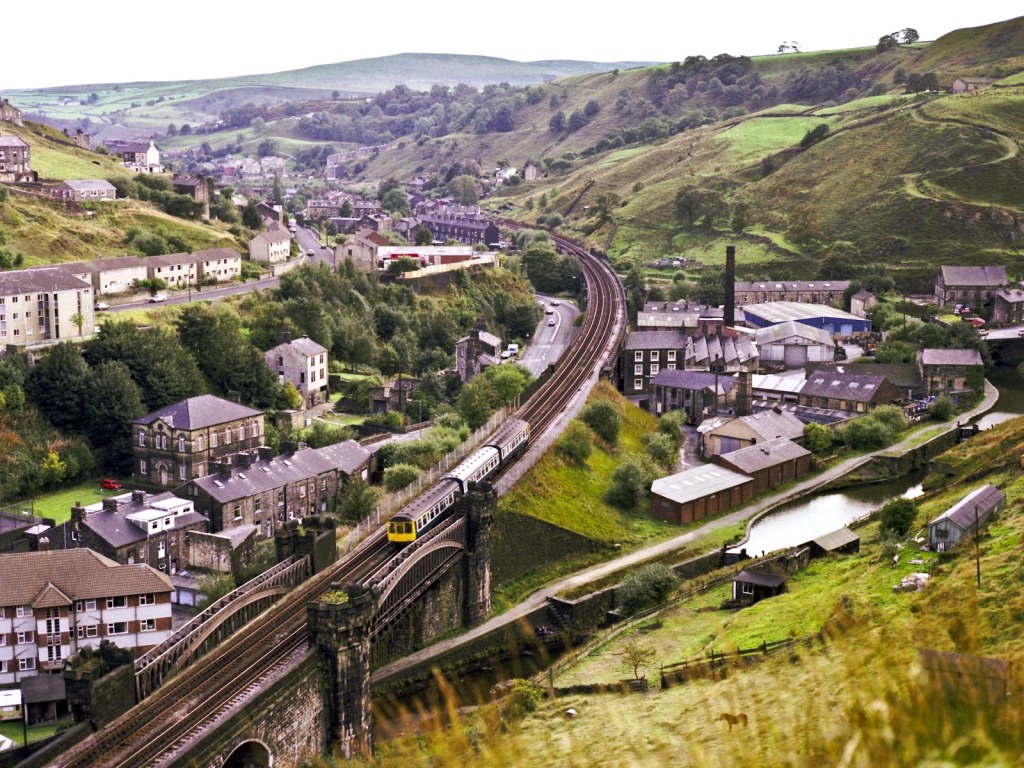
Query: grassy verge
[13,731]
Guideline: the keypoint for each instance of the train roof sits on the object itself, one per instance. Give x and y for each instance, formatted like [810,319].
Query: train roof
[508,431]
[426,500]
[473,462]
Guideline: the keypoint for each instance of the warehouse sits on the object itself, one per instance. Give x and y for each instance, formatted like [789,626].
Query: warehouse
[835,321]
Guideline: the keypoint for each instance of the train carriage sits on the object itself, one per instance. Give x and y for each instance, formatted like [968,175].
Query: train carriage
[476,467]
[423,512]
[510,439]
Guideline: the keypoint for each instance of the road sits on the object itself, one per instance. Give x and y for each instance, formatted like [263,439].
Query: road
[309,240]
[549,341]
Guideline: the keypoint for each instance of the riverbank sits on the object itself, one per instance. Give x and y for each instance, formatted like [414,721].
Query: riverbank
[501,627]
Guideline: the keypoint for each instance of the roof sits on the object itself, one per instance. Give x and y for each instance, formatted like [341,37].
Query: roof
[264,476]
[694,380]
[900,374]
[780,311]
[12,141]
[759,578]
[950,357]
[983,500]
[119,528]
[764,455]
[40,689]
[78,573]
[836,286]
[655,340]
[863,295]
[40,280]
[348,455]
[697,482]
[1011,295]
[116,262]
[775,383]
[769,425]
[217,253]
[170,259]
[274,236]
[980,276]
[857,387]
[836,539]
[790,328]
[87,184]
[304,345]
[199,412]
[237,535]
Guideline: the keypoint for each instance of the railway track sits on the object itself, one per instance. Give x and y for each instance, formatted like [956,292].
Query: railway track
[184,707]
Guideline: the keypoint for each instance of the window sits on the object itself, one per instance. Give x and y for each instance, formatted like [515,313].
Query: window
[142,466]
[323,483]
[117,602]
[280,497]
[92,630]
[27,663]
[638,356]
[149,599]
[26,637]
[638,383]
[181,443]
[81,632]
[213,439]
[655,356]
[654,369]
[74,535]
[747,589]
[671,355]
[161,550]
[3,639]
[227,435]
[302,491]
[638,370]
[23,611]
[3,662]
[181,472]
[147,625]
[53,653]
[670,367]
[257,504]
[90,605]
[118,628]
[238,511]
[199,443]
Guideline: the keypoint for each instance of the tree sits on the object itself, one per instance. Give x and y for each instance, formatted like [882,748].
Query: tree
[424,236]
[942,408]
[112,402]
[813,136]
[591,108]
[886,43]
[636,655]
[258,124]
[463,189]
[631,482]
[646,587]
[898,515]
[266,148]
[557,122]
[576,443]
[662,450]
[57,386]
[909,35]
[604,420]
[251,215]
[399,476]
[356,500]
[395,203]
[818,439]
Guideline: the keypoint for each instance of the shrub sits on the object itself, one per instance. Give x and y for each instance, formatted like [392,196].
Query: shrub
[942,409]
[866,433]
[662,449]
[576,443]
[399,476]
[524,698]
[898,515]
[891,416]
[646,587]
[601,416]
[818,439]
[631,482]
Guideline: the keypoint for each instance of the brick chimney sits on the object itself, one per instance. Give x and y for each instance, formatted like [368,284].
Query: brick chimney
[744,393]
[77,513]
[43,545]
[138,496]
[243,459]
[224,468]
[266,453]
[110,504]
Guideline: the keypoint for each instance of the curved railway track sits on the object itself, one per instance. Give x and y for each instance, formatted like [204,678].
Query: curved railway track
[178,711]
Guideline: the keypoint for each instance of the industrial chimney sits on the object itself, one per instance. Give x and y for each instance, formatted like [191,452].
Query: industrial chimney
[730,286]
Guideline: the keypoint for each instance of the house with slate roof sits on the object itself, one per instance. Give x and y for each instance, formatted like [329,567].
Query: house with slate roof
[304,363]
[974,509]
[135,527]
[15,160]
[804,291]
[843,391]
[695,392]
[476,351]
[84,190]
[177,270]
[41,306]
[266,492]
[971,286]
[183,440]
[271,247]
[54,604]
[218,264]
[725,434]
[116,275]
[751,586]
[1008,306]
[951,371]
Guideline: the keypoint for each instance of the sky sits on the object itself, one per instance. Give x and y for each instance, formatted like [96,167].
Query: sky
[201,39]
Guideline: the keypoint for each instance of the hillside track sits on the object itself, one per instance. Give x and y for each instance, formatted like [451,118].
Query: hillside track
[183,708]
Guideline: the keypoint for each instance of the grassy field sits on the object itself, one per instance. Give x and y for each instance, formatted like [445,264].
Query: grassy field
[57,504]
[14,731]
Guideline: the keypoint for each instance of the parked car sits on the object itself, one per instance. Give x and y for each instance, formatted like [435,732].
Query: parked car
[110,484]
[156,298]
[102,306]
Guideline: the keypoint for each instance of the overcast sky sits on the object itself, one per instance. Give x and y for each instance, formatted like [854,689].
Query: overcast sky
[126,40]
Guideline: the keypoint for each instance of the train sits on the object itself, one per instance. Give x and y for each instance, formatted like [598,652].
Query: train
[430,506]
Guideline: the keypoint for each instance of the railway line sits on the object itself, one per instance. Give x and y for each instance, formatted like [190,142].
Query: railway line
[183,707]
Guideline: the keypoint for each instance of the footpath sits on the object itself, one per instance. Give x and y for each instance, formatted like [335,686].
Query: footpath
[748,512]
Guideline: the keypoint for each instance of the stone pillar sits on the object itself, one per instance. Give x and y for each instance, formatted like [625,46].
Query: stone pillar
[481,503]
[339,624]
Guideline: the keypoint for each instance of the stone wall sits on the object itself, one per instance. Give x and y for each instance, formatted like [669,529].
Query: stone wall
[520,543]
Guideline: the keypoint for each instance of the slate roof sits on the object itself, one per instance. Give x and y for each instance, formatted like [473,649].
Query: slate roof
[1011,295]
[836,539]
[348,455]
[837,286]
[88,184]
[693,380]
[274,236]
[12,141]
[40,280]
[759,578]
[265,476]
[77,573]
[856,387]
[116,262]
[768,424]
[791,328]
[901,374]
[217,253]
[697,482]
[950,357]
[979,276]
[764,455]
[200,412]
[39,689]
[304,345]
[985,499]
[118,531]
[170,259]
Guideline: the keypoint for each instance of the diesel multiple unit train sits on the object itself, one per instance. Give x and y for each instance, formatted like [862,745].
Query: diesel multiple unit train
[431,505]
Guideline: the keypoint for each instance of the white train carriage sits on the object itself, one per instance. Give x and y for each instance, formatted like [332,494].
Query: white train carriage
[511,438]
[479,465]
[421,513]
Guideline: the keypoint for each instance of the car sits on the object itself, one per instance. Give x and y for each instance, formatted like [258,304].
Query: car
[310,253]
[505,355]
[977,322]
[1020,332]
[549,311]
[110,484]
[102,306]
[156,298]
[551,321]
[554,302]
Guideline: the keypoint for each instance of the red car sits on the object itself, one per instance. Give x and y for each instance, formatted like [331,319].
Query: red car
[110,484]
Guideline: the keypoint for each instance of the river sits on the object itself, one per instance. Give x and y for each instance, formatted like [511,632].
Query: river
[804,519]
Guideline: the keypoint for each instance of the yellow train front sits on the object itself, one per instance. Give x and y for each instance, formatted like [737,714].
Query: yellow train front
[421,513]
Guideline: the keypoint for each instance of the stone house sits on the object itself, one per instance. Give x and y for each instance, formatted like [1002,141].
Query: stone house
[843,391]
[971,286]
[182,441]
[271,247]
[361,247]
[1008,306]
[959,521]
[695,392]
[42,306]
[322,209]
[137,155]
[725,434]
[15,160]
[304,363]
[9,113]
[135,527]
[55,604]
[466,229]
[392,395]
[688,316]
[265,491]
[804,291]
[79,138]
[84,190]
[951,371]
[178,270]
[862,302]
[476,351]
[116,275]
[531,172]
[966,84]
[195,188]
[219,264]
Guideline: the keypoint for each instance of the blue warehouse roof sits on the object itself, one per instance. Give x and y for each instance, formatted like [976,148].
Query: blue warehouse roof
[816,315]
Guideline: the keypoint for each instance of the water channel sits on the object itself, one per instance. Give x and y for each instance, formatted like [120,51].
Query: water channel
[804,519]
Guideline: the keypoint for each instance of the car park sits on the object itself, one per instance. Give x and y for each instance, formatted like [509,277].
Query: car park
[110,484]
[156,298]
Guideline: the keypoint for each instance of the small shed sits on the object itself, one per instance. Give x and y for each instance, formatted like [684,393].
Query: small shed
[751,586]
[956,522]
[45,698]
[843,541]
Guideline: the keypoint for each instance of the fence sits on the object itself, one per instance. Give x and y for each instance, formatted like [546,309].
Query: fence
[706,666]
[393,502]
